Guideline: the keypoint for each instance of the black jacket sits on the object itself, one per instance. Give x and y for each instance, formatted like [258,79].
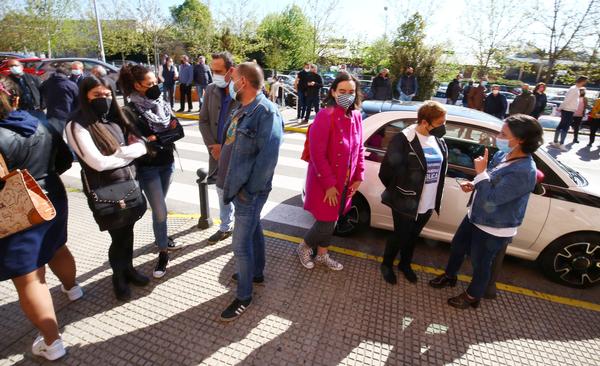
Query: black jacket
[314,90]
[163,156]
[453,90]
[540,104]
[32,83]
[403,171]
[381,88]
[496,105]
[202,75]
[60,96]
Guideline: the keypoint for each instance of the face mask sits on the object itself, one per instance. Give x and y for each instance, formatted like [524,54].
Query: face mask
[153,92]
[16,70]
[306,70]
[101,106]
[345,100]
[438,132]
[76,72]
[503,145]
[483,83]
[495,92]
[232,92]
[219,81]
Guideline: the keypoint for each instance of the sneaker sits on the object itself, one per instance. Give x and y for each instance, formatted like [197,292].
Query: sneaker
[304,253]
[173,245]
[562,148]
[553,144]
[75,293]
[161,266]
[235,310]
[326,260]
[256,280]
[218,236]
[52,352]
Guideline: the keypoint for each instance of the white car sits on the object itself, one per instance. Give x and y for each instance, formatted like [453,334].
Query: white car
[561,229]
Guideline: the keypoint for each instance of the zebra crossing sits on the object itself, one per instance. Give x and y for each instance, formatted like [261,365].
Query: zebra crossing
[284,205]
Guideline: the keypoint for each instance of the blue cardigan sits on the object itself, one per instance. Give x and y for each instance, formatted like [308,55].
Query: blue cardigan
[501,201]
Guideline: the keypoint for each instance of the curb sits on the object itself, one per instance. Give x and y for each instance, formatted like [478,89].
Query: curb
[426,269]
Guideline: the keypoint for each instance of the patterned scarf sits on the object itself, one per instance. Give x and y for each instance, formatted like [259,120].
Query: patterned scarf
[157,113]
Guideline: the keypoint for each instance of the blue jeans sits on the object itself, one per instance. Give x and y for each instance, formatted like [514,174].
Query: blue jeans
[566,118]
[200,89]
[155,182]
[405,98]
[483,248]
[248,241]
[225,213]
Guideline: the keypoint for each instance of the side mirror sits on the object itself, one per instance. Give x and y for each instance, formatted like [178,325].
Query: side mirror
[539,187]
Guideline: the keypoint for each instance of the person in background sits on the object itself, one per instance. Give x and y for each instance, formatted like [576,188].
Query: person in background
[60,96]
[453,90]
[408,85]
[496,103]
[214,115]
[466,90]
[76,72]
[540,100]
[335,168]
[413,172]
[246,167]
[314,83]
[300,86]
[499,196]
[567,110]
[381,86]
[26,143]
[186,80]
[594,122]
[100,72]
[524,103]
[582,108]
[202,77]
[151,114]
[276,86]
[107,144]
[169,75]
[476,97]
[30,99]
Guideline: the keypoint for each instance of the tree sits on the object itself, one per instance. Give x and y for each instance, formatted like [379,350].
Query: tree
[320,15]
[565,26]
[409,49]
[376,55]
[193,26]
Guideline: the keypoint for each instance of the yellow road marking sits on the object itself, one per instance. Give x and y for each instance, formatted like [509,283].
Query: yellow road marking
[426,269]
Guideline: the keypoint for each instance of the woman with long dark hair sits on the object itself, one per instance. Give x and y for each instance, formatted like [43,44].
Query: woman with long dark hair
[151,114]
[107,145]
[335,168]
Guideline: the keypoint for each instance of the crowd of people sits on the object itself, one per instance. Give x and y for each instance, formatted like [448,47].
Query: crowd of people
[127,162]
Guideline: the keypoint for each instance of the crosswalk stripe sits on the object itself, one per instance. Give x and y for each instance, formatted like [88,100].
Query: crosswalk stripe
[181,144]
[194,132]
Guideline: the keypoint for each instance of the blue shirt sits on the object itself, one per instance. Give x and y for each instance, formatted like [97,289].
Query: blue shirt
[225,101]
[186,74]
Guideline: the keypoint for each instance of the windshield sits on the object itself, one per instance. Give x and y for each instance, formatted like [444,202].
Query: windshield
[573,174]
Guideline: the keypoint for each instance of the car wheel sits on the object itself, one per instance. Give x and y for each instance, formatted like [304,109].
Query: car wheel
[573,260]
[357,218]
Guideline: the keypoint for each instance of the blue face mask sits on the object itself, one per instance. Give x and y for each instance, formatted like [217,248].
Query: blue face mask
[232,92]
[502,145]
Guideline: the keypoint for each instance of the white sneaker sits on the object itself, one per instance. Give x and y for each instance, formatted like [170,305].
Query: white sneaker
[562,148]
[553,144]
[52,352]
[173,245]
[304,253]
[75,293]
[327,261]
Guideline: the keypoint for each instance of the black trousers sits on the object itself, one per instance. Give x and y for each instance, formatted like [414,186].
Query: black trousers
[576,125]
[594,127]
[120,253]
[185,93]
[311,101]
[404,238]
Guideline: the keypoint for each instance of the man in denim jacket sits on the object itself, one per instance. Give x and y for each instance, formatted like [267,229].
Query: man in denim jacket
[246,167]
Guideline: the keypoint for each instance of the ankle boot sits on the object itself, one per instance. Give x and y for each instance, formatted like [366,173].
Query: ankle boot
[463,301]
[136,278]
[120,286]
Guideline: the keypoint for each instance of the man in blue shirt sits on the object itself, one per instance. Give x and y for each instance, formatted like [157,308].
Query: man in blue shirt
[60,96]
[186,80]
[214,114]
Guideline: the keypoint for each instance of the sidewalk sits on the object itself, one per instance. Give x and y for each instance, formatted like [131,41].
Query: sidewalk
[298,317]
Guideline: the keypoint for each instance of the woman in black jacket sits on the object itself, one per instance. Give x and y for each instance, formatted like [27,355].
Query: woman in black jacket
[413,172]
[540,100]
[107,145]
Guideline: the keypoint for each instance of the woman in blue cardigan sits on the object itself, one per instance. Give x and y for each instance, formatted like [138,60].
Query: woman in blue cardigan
[496,208]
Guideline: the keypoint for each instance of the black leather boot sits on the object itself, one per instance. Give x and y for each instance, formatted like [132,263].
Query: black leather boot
[136,278]
[120,286]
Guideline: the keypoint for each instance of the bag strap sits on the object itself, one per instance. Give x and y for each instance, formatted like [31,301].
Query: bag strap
[3,167]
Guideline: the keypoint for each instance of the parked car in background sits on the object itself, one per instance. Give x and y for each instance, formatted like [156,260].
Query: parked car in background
[30,66]
[47,66]
[568,251]
[8,55]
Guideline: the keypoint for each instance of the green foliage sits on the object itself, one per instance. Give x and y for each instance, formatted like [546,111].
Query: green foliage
[409,49]
[193,26]
[376,56]
[121,37]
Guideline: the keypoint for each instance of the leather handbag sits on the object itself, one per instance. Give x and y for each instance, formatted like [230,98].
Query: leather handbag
[23,203]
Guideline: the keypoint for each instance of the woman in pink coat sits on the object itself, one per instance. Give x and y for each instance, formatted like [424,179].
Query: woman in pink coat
[335,169]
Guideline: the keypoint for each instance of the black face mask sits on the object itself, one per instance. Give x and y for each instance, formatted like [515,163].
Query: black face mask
[153,93]
[438,132]
[101,106]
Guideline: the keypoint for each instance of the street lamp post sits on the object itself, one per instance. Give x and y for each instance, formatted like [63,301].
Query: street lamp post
[385,8]
[102,55]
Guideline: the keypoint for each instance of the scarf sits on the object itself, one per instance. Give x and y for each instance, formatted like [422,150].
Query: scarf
[157,113]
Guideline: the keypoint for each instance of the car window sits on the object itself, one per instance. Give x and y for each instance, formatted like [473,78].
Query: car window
[465,143]
[377,144]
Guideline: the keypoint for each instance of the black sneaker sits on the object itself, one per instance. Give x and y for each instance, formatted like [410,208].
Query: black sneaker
[173,245]
[218,236]
[257,280]
[161,266]
[388,274]
[235,310]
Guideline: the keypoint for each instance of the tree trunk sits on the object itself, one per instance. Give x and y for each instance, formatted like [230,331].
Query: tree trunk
[551,65]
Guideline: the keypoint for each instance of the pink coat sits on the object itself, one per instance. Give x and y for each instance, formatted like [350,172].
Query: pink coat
[333,138]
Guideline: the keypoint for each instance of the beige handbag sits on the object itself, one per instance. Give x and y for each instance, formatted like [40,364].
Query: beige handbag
[23,204]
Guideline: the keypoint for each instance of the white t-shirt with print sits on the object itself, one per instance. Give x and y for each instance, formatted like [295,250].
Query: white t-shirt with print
[433,158]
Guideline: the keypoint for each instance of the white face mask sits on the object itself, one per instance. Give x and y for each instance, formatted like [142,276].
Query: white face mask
[76,72]
[16,70]
[306,70]
[495,92]
[219,81]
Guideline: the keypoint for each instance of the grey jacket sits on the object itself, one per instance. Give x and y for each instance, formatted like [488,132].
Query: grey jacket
[523,103]
[209,121]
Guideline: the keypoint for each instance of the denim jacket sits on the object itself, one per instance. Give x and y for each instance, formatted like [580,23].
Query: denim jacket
[501,200]
[255,151]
